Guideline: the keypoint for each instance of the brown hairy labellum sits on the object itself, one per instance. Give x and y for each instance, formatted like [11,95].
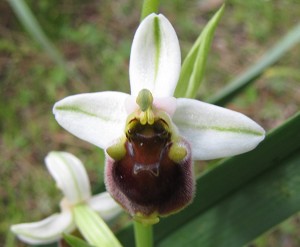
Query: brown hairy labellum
[154,176]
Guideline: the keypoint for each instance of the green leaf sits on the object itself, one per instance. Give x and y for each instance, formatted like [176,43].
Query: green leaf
[32,26]
[241,217]
[93,228]
[192,71]
[241,198]
[34,29]
[75,242]
[272,56]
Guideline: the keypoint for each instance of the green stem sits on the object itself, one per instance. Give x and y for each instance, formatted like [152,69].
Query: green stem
[149,7]
[143,234]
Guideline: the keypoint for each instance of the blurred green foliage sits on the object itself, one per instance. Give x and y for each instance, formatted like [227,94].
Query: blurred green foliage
[95,38]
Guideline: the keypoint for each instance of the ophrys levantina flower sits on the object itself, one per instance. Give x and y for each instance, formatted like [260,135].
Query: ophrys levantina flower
[149,170]
[151,137]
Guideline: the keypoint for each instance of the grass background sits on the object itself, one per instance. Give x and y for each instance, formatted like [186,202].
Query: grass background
[95,38]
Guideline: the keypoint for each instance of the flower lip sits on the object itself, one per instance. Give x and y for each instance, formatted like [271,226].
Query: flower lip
[141,182]
[153,154]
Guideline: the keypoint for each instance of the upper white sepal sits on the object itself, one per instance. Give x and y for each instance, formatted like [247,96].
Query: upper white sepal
[155,58]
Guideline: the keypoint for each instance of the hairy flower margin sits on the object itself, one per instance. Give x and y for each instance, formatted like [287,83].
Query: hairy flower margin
[195,130]
[71,178]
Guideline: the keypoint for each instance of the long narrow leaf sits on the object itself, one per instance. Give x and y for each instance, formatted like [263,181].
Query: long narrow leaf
[75,242]
[255,208]
[235,174]
[33,27]
[193,66]
[272,56]
[93,228]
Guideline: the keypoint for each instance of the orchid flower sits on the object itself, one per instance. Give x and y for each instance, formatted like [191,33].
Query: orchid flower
[72,179]
[150,137]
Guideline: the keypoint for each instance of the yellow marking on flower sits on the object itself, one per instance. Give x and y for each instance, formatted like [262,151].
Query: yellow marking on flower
[177,152]
[117,151]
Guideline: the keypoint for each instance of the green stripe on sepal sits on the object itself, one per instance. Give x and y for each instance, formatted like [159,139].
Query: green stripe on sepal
[157,40]
[235,130]
[75,109]
[224,129]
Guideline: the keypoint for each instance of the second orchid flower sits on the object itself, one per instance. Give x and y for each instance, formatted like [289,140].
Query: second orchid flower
[71,178]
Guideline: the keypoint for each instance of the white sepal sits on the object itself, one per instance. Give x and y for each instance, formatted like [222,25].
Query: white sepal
[46,231]
[105,205]
[215,132]
[155,57]
[70,176]
[98,118]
